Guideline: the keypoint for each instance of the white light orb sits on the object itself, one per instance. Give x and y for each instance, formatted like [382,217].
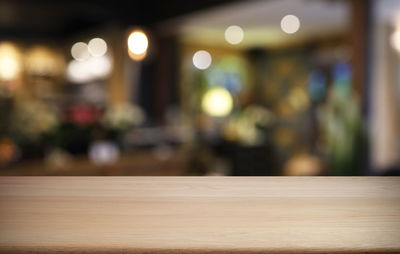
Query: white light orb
[202,59]
[217,102]
[80,51]
[103,153]
[78,72]
[97,47]
[138,42]
[99,67]
[234,35]
[89,70]
[290,24]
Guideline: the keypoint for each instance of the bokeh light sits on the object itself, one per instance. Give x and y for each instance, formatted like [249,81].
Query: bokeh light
[395,40]
[85,71]
[80,51]
[10,64]
[9,68]
[202,59]
[99,67]
[41,60]
[97,47]
[290,24]
[137,45]
[234,35]
[217,102]
[77,72]
[137,42]
[103,153]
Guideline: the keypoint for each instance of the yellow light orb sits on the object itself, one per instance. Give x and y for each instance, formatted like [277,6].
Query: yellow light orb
[395,40]
[217,102]
[290,24]
[10,62]
[137,45]
[9,68]
[234,34]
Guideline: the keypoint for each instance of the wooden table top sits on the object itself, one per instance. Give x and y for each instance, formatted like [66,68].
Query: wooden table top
[199,215]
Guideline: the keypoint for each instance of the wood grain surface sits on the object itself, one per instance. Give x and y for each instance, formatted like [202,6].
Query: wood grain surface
[199,215]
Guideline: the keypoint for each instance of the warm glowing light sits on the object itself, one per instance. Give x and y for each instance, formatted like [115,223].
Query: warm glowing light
[80,51]
[217,102]
[137,45]
[97,47]
[202,59]
[10,64]
[41,60]
[9,68]
[234,34]
[91,61]
[395,40]
[91,69]
[290,24]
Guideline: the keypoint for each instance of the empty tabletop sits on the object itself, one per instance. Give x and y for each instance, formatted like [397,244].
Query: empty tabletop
[199,215]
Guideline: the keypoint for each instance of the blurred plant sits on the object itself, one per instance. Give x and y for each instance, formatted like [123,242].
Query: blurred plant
[229,72]
[32,119]
[82,114]
[248,127]
[58,159]
[121,117]
[341,125]
[75,131]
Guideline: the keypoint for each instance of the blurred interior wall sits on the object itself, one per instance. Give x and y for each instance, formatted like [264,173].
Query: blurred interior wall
[385,131]
[124,80]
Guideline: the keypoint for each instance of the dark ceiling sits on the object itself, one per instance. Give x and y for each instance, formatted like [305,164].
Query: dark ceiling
[59,19]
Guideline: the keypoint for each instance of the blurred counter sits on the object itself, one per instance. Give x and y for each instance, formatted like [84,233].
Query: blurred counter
[141,162]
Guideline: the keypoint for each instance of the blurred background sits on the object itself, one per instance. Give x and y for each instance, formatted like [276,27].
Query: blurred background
[211,87]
